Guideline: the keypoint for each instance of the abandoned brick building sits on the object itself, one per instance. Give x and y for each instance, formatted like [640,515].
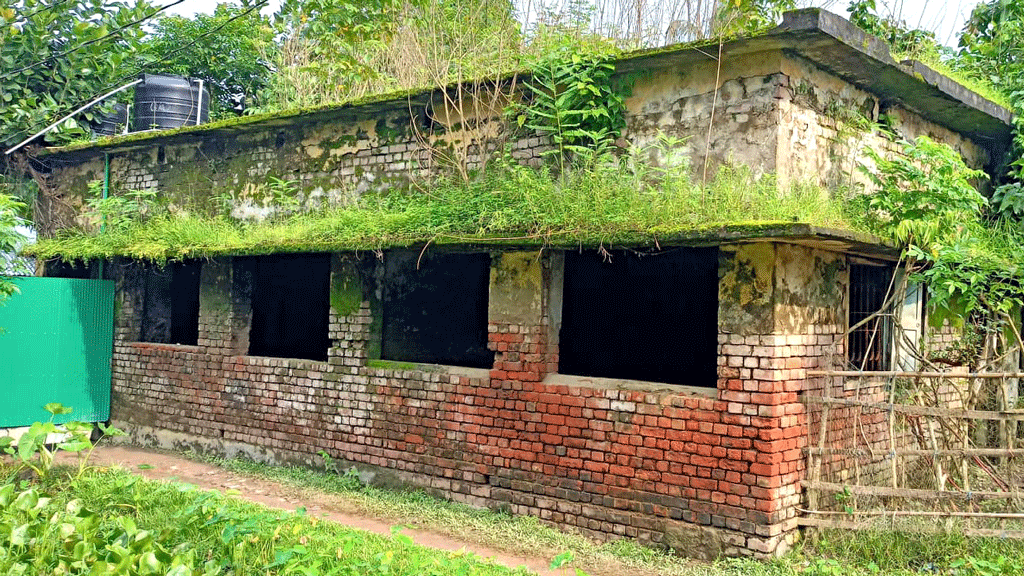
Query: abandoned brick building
[654,396]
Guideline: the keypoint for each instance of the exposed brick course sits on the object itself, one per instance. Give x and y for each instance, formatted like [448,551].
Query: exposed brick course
[610,462]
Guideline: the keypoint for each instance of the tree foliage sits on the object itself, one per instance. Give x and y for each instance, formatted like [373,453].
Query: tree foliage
[56,55]
[901,38]
[971,265]
[10,241]
[991,45]
[230,51]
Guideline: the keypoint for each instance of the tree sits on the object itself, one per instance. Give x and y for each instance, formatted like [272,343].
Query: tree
[230,51]
[991,46]
[902,40]
[10,241]
[56,55]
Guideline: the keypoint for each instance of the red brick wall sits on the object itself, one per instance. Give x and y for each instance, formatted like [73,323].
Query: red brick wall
[609,462]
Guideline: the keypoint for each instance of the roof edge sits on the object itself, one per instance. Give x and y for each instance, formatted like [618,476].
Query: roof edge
[828,40]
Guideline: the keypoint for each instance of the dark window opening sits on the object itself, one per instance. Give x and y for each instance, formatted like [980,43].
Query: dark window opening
[76,269]
[647,317]
[869,345]
[436,312]
[291,306]
[170,309]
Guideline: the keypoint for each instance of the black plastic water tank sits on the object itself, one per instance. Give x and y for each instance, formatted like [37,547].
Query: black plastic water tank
[112,122]
[169,102]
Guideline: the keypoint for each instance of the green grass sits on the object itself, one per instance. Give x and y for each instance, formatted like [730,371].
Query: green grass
[831,553]
[515,534]
[628,203]
[127,517]
[222,535]
[980,86]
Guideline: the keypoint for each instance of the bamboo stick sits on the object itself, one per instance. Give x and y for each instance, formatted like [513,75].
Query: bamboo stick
[851,525]
[922,452]
[920,410]
[901,374]
[907,492]
[928,513]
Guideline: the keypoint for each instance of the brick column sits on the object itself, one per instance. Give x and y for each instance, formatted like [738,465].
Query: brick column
[519,324]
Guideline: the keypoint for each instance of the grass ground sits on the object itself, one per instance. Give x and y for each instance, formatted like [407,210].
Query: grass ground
[113,522]
[835,553]
[171,525]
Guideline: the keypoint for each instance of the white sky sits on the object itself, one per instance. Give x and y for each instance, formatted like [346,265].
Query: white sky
[945,18]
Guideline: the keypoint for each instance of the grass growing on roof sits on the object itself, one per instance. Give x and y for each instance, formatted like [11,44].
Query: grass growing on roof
[980,86]
[622,203]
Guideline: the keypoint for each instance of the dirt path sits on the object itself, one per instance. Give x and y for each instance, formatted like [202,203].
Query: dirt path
[167,466]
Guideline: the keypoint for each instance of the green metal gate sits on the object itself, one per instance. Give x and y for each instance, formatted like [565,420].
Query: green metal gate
[56,340]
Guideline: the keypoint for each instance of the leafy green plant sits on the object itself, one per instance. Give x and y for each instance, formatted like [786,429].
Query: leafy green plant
[922,193]
[10,241]
[1008,200]
[564,559]
[573,101]
[925,201]
[845,499]
[825,567]
[45,537]
[972,566]
[37,448]
[120,212]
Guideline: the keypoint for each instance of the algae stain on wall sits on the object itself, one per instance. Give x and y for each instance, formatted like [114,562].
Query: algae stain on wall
[810,288]
[516,292]
[346,288]
[746,281]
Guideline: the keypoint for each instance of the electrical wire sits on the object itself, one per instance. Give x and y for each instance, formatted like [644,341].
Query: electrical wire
[116,32]
[38,10]
[166,57]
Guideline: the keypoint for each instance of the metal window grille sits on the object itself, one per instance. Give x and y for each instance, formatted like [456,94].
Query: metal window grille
[870,345]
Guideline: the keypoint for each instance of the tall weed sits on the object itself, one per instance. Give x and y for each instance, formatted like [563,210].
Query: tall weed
[608,201]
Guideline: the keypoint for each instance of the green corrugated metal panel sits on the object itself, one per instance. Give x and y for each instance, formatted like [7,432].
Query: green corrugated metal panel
[56,341]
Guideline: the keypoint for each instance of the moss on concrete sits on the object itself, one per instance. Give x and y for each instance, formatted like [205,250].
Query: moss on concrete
[393,365]
[346,291]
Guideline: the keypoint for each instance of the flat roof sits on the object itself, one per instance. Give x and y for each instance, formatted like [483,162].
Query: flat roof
[799,233]
[829,41]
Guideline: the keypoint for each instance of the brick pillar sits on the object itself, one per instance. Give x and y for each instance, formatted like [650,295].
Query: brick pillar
[351,318]
[519,323]
[215,308]
[780,308]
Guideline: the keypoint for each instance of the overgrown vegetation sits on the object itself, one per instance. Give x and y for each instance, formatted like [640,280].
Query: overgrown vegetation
[54,57]
[55,520]
[10,242]
[831,553]
[574,103]
[627,201]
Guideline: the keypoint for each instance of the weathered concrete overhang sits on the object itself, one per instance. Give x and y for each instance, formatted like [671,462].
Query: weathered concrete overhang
[831,42]
[830,239]
[837,46]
